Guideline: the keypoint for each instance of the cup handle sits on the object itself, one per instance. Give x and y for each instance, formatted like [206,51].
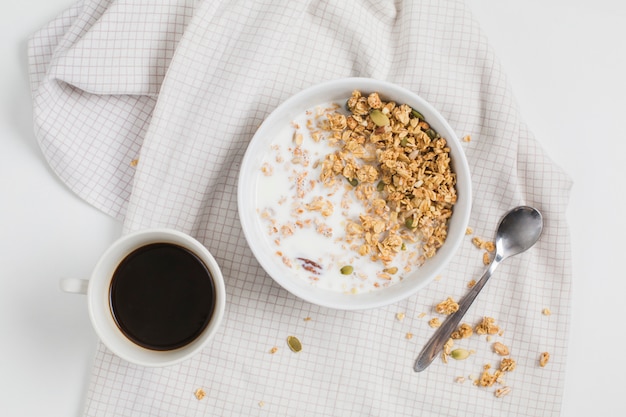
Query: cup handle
[74,285]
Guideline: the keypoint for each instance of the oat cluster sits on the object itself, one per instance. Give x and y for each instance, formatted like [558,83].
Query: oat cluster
[400,169]
[447,306]
[488,379]
[463,332]
[487,326]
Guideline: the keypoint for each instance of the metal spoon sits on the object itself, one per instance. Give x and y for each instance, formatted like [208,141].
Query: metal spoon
[518,231]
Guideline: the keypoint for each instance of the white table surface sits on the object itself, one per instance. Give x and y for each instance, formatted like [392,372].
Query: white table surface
[566,62]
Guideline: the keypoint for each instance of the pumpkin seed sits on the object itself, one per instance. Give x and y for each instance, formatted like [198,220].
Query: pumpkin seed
[379,118]
[432,134]
[409,223]
[294,343]
[404,141]
[417,114]
[353,181]
[380,186]
[459,354]
[347,269]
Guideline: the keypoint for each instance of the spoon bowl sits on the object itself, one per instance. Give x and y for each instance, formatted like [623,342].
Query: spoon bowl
[518,231]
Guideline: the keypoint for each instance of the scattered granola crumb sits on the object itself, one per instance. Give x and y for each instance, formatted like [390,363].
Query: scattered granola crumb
[134,162]
[543,359]
[507,365]
[200,393]
[486,259]
[409,335]
[400,316]
[438,278]
[448,306]
[307,319]
[261,403]
[434,322]
[487,245]
[487,326]
[421,315]
[501,392]
[487,379]
[463,332]
[469,231]
[467,138]
[546,311]
[447,349]
[501,349]
[478,242]
[274,350]
[471,283]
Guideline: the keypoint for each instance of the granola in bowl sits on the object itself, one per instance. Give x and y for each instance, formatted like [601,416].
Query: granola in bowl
[354,194]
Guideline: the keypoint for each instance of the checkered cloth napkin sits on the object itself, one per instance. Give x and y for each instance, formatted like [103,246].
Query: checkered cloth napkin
[145,109]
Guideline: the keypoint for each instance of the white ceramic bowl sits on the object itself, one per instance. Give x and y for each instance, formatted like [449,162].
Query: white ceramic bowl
[255,233]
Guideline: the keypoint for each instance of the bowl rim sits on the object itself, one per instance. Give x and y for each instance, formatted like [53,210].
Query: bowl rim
[330,91]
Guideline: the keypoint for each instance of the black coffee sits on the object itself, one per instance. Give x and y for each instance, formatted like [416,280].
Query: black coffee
[162,296]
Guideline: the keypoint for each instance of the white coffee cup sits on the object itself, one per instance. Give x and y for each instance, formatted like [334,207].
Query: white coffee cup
[98,288]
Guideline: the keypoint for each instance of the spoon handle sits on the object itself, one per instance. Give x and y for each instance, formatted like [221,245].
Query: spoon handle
[441,336]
